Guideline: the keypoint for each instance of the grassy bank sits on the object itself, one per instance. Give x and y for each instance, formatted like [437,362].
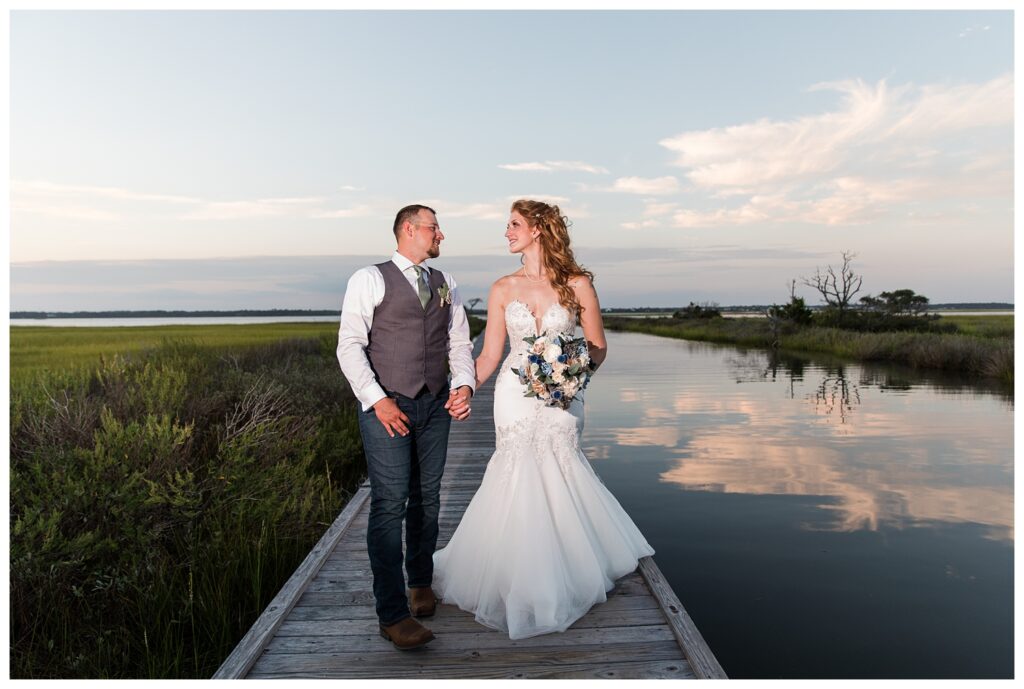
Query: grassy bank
[165,482]
[36,348]
[39,349]
[982,326]
[987,351]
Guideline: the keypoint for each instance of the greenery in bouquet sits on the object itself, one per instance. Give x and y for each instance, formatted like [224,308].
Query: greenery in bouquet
[555,368]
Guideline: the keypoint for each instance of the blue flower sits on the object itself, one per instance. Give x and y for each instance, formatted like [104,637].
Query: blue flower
[557,394]
[562,358]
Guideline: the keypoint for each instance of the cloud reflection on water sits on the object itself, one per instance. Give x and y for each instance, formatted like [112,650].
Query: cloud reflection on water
[877,455]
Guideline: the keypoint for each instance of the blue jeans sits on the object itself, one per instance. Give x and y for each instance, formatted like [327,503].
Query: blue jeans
[405,485]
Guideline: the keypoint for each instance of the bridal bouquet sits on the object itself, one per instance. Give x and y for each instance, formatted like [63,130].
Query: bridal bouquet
[555,368]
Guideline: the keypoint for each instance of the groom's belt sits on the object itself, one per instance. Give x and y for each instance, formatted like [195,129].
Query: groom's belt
[424,392]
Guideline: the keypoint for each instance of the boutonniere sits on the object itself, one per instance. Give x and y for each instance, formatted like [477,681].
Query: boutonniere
[446,295]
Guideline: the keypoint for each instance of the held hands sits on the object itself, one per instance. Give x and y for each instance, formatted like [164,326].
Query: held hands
[458,403]
[395,421]
[391,417]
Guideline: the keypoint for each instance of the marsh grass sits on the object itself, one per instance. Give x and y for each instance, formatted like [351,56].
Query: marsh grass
[46,349]
[994,326]
[984,350]
[160,498]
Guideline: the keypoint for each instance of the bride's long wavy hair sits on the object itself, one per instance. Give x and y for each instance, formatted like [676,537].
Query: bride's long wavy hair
[557,255]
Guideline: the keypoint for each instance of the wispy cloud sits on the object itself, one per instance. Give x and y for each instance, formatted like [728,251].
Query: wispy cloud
[106,204]
[86,203]
[498,210]
[98,203]
[361,211]
[83,213]
[50,189]
[971,29]
[840,201]
[476,211]
[646,185]
[940,110]
[546,198]
[642,224]
[553,165]
[235,210]
[883,146]
[653,210]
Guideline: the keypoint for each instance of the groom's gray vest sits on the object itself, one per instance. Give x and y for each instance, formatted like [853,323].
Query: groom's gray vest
[408,346]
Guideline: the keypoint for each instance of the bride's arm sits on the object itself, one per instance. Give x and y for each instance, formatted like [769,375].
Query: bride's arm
[494,336]
[590,319]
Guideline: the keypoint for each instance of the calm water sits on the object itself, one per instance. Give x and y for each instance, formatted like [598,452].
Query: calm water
[816,519]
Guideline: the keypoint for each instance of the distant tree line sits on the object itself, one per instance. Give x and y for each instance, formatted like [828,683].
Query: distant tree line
[838,286]
[174,314]
[900,310]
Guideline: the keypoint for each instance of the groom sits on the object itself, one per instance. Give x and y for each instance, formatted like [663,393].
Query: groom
[402,327]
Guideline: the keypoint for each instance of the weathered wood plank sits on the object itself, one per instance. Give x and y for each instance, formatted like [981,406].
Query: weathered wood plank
[337,598]
[437,661]
[700,657]
[366,623]
[645,669]
[608,637]
[630,585]
[623,606]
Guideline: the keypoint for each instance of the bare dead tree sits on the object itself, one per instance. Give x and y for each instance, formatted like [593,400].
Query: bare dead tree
[837,287]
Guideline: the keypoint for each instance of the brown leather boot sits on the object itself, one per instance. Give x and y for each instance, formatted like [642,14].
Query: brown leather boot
[407,633]
[422,601]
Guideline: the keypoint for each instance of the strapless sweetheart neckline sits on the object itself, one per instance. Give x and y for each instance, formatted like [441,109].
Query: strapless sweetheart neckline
[538,326]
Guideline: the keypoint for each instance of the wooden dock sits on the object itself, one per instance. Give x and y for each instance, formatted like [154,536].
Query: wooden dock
[322,623]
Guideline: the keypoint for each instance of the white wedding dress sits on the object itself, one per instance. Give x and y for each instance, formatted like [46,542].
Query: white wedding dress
[543,539]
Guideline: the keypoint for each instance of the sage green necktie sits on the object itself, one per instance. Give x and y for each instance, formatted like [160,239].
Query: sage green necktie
[421,287]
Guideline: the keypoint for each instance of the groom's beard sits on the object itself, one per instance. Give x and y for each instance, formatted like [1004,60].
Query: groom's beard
[434,251]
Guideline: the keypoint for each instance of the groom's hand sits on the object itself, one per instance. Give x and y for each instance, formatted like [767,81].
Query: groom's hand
[458,403]
[391,417]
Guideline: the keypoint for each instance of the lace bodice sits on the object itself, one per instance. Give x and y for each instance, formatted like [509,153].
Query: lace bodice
[515,414]
[520,322]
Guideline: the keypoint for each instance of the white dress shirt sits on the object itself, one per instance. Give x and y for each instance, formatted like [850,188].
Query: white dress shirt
[364,293]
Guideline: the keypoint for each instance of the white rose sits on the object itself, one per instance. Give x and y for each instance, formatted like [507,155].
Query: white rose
[551,353]
[534,370]
[558,372]
[539,344]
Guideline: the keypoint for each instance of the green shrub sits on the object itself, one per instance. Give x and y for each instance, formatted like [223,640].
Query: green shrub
[880,321]
[705,310]
[795,312]
[160,499]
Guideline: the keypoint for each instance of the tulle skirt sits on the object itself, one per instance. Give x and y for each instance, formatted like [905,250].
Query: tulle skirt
[543,539]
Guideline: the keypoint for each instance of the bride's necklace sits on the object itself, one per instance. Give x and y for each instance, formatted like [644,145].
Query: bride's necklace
[526,274]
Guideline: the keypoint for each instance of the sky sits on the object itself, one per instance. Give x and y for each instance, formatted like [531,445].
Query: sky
[244,159]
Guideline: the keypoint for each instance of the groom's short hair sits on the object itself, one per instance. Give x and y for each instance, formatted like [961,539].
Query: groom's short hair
[408,213]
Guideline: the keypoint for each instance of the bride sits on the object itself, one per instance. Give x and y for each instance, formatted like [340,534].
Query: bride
[543,539]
